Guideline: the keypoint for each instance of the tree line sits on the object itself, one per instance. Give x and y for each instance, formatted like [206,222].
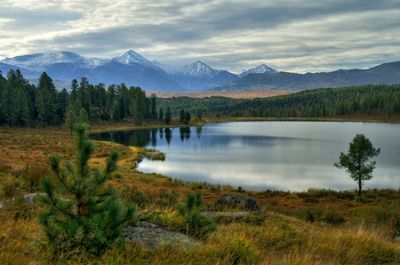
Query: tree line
[368,100]
[25,104]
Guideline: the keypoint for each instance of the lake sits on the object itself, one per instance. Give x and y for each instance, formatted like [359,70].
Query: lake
[278,155]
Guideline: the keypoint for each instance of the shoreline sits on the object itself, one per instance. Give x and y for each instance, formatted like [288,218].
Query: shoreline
[109,127]
[229,187]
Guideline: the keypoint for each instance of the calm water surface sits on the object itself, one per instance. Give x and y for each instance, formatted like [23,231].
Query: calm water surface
[266,155]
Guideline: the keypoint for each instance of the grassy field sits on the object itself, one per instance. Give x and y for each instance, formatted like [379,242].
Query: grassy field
[313,227]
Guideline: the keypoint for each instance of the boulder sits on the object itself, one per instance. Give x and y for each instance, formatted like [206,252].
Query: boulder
[237,199]
[30,198]
[153,236]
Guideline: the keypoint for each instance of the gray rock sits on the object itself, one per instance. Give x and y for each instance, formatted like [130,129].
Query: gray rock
[237,199]
[153,236]
[30,198]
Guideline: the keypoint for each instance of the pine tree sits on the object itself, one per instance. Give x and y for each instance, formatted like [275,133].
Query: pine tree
[357,160]
[187,117]
[3,82]
[153,103]
[46,101]
[82,213]
[71,116]
[167,118]
[161,114]
[196,224]
[182,116]
[83,116]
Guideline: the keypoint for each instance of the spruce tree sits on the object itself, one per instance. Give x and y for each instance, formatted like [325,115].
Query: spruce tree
[46,100]
[153,103]
[82,214]
[167,118]
[71,116]
[83,116]
[161,114]
[182,116]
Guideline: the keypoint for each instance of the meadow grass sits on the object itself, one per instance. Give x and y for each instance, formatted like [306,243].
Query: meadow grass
[313,227]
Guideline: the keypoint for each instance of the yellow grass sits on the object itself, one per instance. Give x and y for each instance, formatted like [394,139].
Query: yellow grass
[284,237]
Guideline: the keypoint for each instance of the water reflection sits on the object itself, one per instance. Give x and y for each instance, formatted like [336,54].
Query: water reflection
[261,155]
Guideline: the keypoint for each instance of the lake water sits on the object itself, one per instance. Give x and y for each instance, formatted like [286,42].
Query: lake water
[264,155]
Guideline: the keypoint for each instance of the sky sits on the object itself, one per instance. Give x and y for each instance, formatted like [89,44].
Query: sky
[288,35]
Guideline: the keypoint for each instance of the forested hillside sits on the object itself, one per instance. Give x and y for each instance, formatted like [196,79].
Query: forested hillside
[369,100]
[24,104]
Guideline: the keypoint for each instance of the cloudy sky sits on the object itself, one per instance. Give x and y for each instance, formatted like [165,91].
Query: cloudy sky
[290,35]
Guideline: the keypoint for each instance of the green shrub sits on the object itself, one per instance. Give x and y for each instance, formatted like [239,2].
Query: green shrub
[196,224]
[82,214]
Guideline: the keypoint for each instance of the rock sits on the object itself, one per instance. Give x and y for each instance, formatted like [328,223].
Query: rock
[236,199]
[153,236]
[30,198]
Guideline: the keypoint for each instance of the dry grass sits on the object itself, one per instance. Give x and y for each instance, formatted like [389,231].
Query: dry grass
[285,237]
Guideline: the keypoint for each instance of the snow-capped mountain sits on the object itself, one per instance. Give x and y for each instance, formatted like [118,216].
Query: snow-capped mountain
[130,57]
[130,67]
[198,75]
[261,69]
[39,61]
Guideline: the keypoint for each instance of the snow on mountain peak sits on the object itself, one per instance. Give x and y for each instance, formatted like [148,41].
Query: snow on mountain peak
[131,56]
[261,69]
[39,61]
[198,69]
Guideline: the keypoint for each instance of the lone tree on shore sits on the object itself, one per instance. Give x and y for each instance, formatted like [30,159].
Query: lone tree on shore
[357,161]
[83,214]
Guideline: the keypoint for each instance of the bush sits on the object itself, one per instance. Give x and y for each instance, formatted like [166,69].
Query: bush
[196,224]
[83,214]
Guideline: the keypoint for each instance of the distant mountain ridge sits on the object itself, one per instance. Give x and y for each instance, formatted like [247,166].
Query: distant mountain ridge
[261,69]
[130,68]
[134,69]
[387,73]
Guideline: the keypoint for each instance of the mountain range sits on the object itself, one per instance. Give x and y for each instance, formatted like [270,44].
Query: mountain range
[132,68]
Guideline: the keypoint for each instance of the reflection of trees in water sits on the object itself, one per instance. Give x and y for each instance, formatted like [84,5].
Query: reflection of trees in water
[198,131]
[154,137]
[184,133]
[140,138]
[168,135]
[146,137]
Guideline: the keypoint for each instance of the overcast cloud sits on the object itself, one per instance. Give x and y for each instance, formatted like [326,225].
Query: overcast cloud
[290,35]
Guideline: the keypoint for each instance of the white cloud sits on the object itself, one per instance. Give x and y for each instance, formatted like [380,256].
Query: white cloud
[296,35]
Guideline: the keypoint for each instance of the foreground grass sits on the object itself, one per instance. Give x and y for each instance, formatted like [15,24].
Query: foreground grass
[314,227]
